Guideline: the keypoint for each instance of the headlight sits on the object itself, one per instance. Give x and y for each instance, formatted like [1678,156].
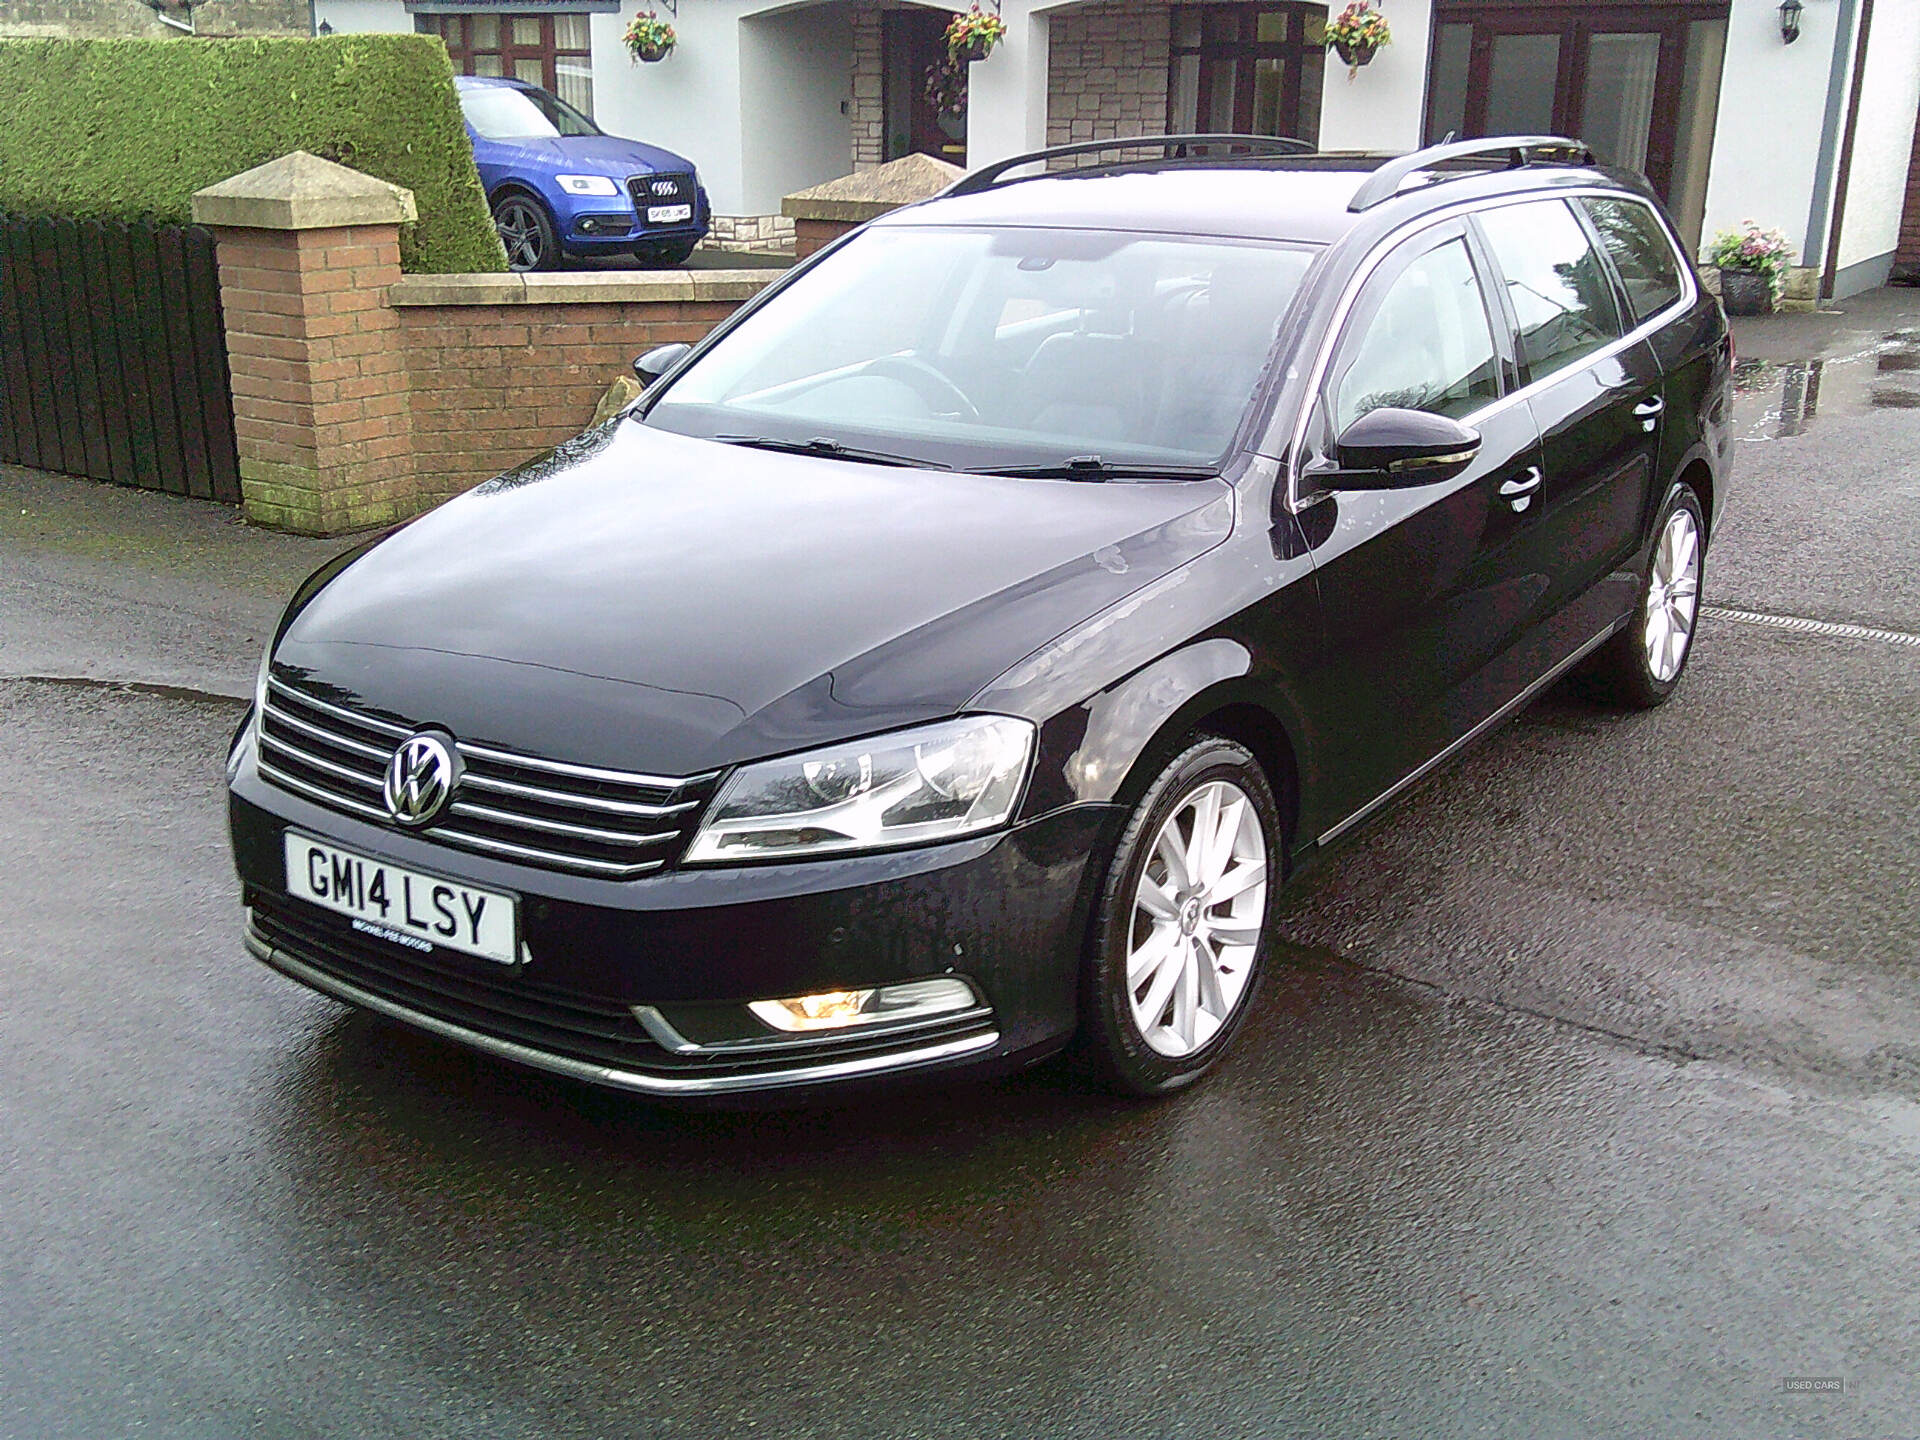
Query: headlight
[915,786]
[586,185]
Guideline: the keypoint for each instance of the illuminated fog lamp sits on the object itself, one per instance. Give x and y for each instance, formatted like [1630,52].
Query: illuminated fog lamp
[844,1009]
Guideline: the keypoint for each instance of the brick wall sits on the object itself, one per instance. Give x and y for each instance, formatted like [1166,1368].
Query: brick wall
[1108,72]
[491,385]
[361,396]
[1906,255]
[320,416]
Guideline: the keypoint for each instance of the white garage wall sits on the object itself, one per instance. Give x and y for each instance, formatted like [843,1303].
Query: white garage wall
[796,82]
[1882,147]
[360,17]
[1773,103]
[689,102]
[1384,107]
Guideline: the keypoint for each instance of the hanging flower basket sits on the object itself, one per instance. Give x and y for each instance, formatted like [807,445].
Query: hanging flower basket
[1356,35]
[972,34]
[649,38]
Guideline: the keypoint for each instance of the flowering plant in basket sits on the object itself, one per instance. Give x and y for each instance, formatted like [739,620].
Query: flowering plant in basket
[972,34]
[1356,33]
[649,37]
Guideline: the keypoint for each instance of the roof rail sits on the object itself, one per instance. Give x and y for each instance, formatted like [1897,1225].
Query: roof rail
[985,179]
[1385,182]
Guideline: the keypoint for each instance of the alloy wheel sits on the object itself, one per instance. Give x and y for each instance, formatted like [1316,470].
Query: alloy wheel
[1197,913]
[522,233]
[1673,595]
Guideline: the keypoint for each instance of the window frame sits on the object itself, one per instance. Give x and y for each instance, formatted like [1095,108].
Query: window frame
[1382,277]
[1622,311]
[1245,52]
[548,51]
[1623,296]
[1289,445]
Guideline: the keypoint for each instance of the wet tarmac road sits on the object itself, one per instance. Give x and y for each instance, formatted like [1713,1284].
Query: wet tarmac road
[1587,1107]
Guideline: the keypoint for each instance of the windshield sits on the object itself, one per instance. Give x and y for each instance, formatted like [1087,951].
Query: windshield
[500,113]
[999,348]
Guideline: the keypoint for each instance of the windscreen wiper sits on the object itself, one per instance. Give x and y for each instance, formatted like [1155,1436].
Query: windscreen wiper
[832,449]
[1092,467]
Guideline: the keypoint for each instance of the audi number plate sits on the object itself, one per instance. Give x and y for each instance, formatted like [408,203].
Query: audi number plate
[389,902]
[668,214]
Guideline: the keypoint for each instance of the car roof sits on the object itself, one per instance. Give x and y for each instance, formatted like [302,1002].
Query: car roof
[490,82]
[1303,198]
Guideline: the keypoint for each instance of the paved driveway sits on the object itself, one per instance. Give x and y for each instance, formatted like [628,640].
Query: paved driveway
[1590,1105]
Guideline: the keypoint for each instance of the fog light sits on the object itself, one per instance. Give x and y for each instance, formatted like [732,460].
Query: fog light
[839,1009]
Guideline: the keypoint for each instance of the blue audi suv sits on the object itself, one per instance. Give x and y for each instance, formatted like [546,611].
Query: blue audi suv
[558,186]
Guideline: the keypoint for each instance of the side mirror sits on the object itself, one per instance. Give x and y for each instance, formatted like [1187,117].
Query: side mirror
[1389,448]
[657,361]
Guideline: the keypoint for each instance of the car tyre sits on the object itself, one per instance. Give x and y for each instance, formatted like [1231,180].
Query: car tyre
[526,234]
[665,256]
[1180,934]
[1642,665]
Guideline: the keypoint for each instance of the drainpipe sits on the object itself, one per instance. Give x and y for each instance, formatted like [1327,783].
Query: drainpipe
[1820,211]
[1846,150]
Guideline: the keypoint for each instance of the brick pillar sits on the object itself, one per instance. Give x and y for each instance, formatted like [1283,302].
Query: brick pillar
[320,400]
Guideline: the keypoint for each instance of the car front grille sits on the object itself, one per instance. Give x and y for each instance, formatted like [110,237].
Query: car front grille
[575,818]
[661,190]
[511,1003]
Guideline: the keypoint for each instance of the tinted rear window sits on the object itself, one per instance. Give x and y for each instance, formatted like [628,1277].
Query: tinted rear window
[1556,282]
[1635,238]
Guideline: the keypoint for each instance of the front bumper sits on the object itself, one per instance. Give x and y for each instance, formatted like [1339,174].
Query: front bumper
[1006,912]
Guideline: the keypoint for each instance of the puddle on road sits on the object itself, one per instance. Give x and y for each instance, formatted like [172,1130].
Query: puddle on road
[1776,400]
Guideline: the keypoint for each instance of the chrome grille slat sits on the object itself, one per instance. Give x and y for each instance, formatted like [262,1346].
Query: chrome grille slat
[318,763]
[557,827]
[352,717]
[579,772]
[315,792]
[585,802]
[327,737]
[614,869]
[540,812]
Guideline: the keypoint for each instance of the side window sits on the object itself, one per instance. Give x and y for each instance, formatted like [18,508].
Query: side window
[1425,343]
[1556,283]
[1641,252]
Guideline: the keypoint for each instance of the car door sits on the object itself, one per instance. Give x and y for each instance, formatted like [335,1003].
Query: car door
[1597,404]
[1424,589]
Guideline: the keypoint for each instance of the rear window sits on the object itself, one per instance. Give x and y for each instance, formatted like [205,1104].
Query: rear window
[1556,283]
[1637,241]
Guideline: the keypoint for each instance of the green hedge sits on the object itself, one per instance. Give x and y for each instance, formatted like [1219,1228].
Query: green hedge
[126,129]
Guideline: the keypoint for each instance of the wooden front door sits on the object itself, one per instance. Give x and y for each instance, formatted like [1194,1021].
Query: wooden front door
[924,92]
[1637,82]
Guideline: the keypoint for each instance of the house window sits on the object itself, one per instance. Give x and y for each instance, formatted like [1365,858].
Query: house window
[1247,70]
[551,51]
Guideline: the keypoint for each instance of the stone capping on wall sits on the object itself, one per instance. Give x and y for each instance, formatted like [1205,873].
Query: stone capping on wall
[613,287]
[300,191]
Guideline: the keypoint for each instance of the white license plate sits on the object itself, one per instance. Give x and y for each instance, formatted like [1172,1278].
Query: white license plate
[667,214]
[389,902]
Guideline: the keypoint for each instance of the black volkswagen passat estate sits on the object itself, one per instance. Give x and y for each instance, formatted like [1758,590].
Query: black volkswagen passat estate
[948,659]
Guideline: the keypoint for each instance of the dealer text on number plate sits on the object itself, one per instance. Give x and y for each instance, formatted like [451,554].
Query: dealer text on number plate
[422,912]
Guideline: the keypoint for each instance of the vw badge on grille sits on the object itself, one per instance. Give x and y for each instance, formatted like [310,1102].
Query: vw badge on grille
[420,780]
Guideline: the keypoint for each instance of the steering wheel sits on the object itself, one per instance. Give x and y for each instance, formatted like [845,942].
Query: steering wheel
[940,393]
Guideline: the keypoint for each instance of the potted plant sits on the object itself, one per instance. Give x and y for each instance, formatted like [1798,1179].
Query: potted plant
[1753,265]
[1356,33]
[972,34]
[649,37]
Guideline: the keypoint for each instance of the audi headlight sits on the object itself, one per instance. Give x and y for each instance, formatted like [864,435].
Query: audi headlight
[586,184]
[934,783]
